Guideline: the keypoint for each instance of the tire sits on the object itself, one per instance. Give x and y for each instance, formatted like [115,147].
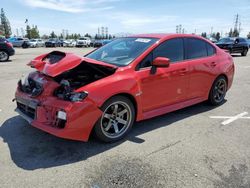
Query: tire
[244,53]
[24,45]
[218,91]
[116,121]
[4,56]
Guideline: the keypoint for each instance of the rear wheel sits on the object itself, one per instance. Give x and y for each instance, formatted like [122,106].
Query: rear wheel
[244,53]
[117,119]
[218,91]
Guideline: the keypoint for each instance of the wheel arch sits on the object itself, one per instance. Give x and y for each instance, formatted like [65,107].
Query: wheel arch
[130,97]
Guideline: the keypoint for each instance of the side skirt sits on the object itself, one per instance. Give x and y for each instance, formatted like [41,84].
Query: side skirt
[171,108]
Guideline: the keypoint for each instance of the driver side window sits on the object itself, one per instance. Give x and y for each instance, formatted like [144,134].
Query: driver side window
[172,49]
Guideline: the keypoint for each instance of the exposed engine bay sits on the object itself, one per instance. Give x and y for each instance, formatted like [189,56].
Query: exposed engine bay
[83,74]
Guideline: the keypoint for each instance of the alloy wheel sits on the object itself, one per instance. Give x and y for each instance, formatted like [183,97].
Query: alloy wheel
[3,56]
[116,119]
[220,90]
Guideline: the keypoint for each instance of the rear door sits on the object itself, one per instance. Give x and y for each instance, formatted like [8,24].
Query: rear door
[168,85]
[202,60]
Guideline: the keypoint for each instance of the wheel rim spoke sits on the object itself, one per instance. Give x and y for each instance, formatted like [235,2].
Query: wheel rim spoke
[122,121]
[116,127]
[115,108]
[121,113]
[108,116]
[108,126]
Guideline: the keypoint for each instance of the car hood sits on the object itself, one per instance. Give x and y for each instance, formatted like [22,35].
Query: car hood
[56,62]
[224,43]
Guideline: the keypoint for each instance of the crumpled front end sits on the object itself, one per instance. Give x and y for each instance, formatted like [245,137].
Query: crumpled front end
[53,98]
[66,119]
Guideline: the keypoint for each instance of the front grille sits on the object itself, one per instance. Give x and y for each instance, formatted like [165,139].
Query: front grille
[27,110]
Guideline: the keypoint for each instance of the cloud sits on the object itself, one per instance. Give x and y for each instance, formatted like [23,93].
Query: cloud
[70,6]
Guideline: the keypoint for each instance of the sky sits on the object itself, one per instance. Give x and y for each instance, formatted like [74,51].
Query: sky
[128,16]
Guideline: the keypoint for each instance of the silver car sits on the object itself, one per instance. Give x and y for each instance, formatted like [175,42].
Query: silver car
[20,42]
[36,43]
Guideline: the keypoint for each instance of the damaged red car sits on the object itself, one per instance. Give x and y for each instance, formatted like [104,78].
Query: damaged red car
[130,79]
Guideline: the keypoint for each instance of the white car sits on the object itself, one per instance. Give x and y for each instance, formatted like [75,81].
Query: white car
[83,41]
[36,43]
[69,43]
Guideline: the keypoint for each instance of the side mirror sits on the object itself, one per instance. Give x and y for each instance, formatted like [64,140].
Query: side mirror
[159,62]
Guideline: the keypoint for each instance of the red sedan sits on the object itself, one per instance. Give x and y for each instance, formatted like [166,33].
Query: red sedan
[130,79]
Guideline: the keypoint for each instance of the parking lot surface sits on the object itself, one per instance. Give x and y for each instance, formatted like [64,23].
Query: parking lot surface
[199,146]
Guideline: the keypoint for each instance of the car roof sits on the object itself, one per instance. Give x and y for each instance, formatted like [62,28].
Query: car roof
[164,35]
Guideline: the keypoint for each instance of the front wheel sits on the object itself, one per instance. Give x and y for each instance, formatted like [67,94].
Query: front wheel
[218,91]
[244,53]
[117,119]
[4,56]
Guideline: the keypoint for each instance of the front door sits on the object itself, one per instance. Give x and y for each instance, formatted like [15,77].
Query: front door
[167,85]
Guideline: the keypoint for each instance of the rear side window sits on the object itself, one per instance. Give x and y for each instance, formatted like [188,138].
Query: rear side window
[210,50]
[195,48]
[172,49]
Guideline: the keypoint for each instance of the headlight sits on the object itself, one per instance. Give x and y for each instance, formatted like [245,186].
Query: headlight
[75,96]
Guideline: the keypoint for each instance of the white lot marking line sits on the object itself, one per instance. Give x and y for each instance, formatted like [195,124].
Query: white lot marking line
[231,119]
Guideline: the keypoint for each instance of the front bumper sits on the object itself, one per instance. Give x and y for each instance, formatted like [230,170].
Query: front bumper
[11,51]
[81,116]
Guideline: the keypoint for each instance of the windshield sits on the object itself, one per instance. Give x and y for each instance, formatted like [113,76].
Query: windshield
[123,51]
[226,40]
[32,40]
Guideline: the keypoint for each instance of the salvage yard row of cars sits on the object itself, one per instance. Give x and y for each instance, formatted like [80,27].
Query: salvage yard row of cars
[55,42]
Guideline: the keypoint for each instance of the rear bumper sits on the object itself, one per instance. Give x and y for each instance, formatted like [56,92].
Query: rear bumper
[81,116]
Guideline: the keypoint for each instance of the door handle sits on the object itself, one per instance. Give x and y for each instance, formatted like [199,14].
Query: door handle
[213,64]
[183,71]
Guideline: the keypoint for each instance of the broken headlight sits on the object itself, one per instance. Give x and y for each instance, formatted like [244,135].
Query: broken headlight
[75,96]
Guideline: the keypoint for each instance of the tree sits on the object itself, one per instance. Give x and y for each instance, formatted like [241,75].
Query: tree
[204,35]
[5,24]
[53,35]
[32,32]
[28,32]
[248,35]
[87,35]
[110,36]
[61,36]
[230,34]
[236,33]
[217,36]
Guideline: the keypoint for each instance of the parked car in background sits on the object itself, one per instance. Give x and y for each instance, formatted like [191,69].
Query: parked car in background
[83,42]
[53,42]
[130,79]
[212,39]
[234,45]
[19,42]
[69,43]
[36,43]
[248,41]
[6,50]
[99,43]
